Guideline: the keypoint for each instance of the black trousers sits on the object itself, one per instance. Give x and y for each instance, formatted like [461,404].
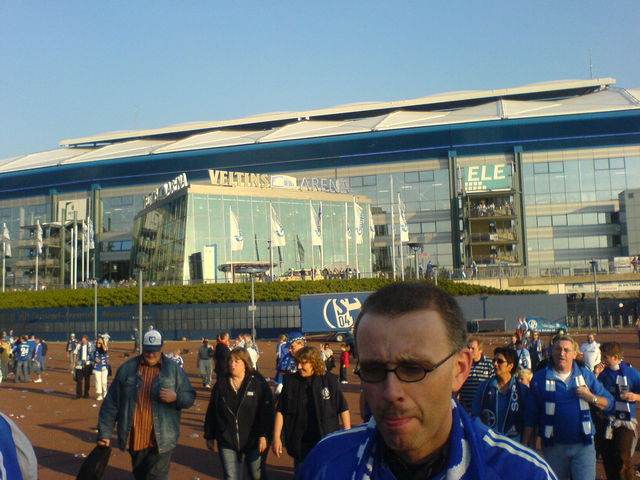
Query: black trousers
[83,375]
[148,464]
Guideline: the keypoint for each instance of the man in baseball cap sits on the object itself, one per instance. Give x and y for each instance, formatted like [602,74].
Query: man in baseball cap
[152,341]
[151,433]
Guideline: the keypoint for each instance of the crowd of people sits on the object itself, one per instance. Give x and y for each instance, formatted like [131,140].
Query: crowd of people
[22,357]
[434,404]
[579,400]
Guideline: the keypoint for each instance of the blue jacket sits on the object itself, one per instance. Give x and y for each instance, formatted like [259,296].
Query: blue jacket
[119,405]
[475,453]
[567,421]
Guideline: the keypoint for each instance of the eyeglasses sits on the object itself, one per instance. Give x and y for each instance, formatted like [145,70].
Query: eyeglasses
[406,372]
[499,361]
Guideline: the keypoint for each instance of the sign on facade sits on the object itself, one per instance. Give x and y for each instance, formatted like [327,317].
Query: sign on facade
[481,178]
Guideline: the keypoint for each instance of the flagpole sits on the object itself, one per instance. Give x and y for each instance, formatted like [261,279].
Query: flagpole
[84,234]
[393,232]
[271,241]
[311,225]
[4,264]
[75,249]
[403,223]
[233,273]
[371,228]
[321,215]
[37,255]
[346,235]
[357,224]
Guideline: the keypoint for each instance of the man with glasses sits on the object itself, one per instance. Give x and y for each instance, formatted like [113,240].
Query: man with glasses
[412,359]
[558,404]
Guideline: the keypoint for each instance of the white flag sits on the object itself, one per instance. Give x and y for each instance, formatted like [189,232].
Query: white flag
[38,237]
[6,240]
[358,215]
[316,226]
[277,232]
[90,235]
[372,227]
[404,229]
[237,239]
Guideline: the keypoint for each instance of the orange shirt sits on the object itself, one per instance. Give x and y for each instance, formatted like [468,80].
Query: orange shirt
[142,435]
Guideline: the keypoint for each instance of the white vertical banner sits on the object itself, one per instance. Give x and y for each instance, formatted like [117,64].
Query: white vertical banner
[316,225]
[404,228]
[38,237]
[6,240]
[278,238]
[358,216]
[372,227]
[237,239]
[404,233]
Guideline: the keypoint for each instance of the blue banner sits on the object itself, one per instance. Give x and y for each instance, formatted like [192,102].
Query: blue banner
[330,312]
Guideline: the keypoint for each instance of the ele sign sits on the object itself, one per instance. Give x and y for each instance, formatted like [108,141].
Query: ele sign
[479,178]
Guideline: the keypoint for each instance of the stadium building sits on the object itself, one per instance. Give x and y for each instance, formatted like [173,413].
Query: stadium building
[533,179]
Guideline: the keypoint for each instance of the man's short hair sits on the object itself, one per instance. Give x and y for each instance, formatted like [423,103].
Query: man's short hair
[612,349]
[566,338]
[478,340]
[404,297]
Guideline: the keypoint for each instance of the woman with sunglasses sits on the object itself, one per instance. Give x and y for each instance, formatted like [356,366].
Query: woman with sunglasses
[100,357]
[499,401]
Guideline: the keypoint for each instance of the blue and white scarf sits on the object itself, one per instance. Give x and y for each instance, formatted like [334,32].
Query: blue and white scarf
[462,451]
[577,380]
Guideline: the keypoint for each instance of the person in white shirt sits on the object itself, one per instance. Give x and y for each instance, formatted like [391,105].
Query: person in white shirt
[591,352]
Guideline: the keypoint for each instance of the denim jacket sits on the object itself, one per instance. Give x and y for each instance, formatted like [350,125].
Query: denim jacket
[119,405]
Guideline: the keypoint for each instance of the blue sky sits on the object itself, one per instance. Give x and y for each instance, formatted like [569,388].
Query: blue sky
[78,68]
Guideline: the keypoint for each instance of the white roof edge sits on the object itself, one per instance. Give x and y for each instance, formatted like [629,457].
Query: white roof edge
[351,108]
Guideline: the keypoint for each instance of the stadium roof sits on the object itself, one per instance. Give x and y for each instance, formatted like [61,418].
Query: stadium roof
[558,98]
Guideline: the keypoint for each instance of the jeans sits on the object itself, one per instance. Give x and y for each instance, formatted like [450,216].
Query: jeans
[205,371]
[573,460]
[148,464]
[22,371]
[232,463]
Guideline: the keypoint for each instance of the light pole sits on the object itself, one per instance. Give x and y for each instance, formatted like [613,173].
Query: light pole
[594,269]
[252,271]
[415,246]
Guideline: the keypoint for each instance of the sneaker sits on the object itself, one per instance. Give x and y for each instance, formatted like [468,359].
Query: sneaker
[37,380]
[344,381]
[99,398]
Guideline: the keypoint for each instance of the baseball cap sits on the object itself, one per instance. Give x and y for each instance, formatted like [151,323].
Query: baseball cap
[152,341]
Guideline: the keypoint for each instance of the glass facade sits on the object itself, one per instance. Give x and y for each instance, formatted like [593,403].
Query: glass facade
[171,236]
[572,211]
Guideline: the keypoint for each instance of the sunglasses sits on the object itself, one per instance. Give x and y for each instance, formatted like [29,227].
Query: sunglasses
[499,361]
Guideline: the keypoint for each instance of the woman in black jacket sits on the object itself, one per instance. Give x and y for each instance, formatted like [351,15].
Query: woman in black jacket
[311,406]
[240,418]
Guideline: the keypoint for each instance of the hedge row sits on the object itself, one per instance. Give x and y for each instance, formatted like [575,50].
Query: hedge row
[217,293]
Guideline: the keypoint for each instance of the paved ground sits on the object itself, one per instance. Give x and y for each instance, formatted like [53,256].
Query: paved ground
[61,427]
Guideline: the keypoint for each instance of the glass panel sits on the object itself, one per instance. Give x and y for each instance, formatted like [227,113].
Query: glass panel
[601,164]
[544,221]
[559,220]
[542,167]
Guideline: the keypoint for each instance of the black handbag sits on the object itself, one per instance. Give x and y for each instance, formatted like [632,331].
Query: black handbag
[95,464]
